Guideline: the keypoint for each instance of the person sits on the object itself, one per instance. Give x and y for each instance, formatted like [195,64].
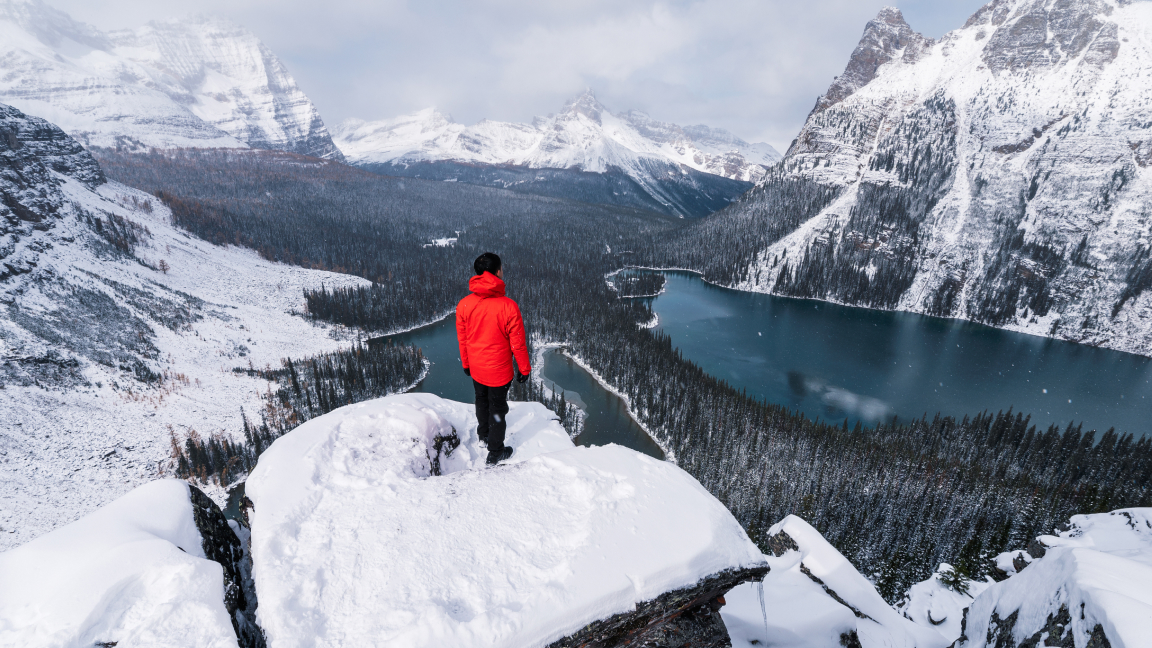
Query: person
[490,330]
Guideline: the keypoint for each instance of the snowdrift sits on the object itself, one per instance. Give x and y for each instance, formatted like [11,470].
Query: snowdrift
[133,573]
[357,541]
[815,598]
[933,604]
[1089,586]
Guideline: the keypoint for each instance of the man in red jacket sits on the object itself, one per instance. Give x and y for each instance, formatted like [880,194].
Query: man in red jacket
[491,332]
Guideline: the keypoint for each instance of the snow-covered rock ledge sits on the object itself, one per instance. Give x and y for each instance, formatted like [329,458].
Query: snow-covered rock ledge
[1089,586]
[159,566]
[356,541]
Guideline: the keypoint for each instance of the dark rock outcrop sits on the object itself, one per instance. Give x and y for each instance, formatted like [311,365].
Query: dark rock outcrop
[683,618]
[1056,633]
[30,199]
[221,545]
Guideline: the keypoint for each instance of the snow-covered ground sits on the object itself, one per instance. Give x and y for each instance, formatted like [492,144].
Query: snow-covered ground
[64,450]
[356,542]
[133,573]
[932,604]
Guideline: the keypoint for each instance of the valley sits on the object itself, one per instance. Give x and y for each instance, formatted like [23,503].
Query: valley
[899,377]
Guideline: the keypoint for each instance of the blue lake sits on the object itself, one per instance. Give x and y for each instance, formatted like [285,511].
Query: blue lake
[836,362]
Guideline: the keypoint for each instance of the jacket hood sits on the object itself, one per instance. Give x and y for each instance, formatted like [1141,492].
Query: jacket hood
[486,285]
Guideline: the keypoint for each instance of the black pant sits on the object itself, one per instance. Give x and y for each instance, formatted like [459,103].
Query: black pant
[491,412]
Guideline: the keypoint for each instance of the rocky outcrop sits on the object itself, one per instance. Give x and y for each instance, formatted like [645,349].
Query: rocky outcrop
[1055,633]
[31,149]
[683,618]
[221,544]
[1040,35]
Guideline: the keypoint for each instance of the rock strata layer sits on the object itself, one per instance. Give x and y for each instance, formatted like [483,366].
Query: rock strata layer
[683,618]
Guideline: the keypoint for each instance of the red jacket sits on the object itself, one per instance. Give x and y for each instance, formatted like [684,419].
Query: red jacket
[490,330]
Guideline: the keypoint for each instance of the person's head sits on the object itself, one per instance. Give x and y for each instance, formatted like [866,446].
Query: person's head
[488,262]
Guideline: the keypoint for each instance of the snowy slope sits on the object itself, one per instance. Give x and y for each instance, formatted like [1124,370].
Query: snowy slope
[1090,588]
[932,604]
[197,81]
[133,573]
[999,174]
[583,136]
[80,320]
[355,541]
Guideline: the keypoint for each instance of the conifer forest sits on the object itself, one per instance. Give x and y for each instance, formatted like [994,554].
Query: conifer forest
[897,498]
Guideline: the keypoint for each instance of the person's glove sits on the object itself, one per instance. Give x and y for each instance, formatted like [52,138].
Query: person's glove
[521,378]
[467,372]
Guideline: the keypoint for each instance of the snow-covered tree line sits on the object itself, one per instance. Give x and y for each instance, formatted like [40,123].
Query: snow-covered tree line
[896,498]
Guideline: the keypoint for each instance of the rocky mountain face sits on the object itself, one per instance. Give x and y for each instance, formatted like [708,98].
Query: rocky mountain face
[30,199]
[193,82]
[635,159]
[999,174]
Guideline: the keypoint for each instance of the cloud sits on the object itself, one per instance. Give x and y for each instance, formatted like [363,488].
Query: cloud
[754,67]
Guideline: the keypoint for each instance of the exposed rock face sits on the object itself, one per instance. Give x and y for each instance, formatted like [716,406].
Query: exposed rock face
[30,199]
[221,544]
[1041,36]
[684,618]
[1056,633]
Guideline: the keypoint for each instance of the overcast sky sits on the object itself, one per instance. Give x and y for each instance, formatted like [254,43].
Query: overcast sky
[754,67]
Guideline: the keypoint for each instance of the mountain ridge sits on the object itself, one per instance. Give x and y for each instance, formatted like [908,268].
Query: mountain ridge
[197,81]
[684,171]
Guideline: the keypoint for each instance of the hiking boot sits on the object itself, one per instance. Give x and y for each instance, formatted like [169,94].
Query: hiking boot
[484,440]
[497,456]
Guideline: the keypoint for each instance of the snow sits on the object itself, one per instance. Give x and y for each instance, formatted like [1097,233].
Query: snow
[802,612]
[584,135]
[191,82]
[799,613]
[1100,570]
[355,543]
[132,572]
[932,604]
[64,452]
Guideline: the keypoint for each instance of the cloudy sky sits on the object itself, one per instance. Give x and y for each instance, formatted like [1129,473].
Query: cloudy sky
[754,67]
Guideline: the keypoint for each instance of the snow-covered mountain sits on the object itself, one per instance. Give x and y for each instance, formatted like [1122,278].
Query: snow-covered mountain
[117,329]
[662,158]
[999,174]
[196,81]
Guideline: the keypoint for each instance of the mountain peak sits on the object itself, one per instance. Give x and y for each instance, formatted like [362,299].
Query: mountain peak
[195,81]
[886,37]
[586,104]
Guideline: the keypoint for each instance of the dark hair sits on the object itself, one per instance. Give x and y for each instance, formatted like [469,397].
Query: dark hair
[486,262]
